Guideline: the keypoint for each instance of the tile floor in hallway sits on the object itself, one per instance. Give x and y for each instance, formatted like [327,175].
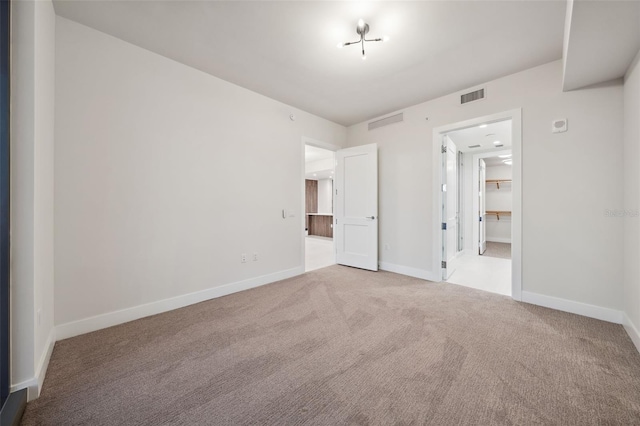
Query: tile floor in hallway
[483,272]
[319,253]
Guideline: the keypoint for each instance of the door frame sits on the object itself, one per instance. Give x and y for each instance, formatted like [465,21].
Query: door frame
[475,228]
[445,273]
[318,144]
[515,115]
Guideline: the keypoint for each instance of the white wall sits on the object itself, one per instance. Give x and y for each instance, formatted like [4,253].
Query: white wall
[498,230]
[324,196]
[571,251]
[632,200]
[319,166]
[164,175]
[32,144]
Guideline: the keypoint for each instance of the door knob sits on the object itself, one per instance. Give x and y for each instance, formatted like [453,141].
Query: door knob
[371,217]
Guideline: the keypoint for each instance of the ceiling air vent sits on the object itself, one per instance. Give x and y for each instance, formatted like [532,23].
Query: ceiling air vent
[472,96]
[474,146]
[386,121]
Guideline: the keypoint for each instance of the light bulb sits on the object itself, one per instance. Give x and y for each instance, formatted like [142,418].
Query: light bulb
[364,58]
[360,23]
[385,38]
[340,45]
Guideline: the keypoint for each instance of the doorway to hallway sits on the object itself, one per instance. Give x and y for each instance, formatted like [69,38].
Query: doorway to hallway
[319,247]
[479,203]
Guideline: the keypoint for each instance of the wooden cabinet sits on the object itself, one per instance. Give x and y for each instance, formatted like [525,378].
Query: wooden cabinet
[320,225]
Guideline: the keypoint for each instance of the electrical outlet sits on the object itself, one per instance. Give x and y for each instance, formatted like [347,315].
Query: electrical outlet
[255,257]
[243,258]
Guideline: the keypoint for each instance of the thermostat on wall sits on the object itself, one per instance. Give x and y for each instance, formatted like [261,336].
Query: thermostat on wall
[559,126]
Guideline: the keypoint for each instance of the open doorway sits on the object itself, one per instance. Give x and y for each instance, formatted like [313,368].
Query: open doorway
[319,175]
[480,205]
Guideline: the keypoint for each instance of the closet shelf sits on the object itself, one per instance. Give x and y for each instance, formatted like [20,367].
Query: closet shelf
[498,213]
[498,181]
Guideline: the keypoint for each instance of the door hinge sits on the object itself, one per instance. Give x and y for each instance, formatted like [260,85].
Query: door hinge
[444,149]
[444,226]
[444,264]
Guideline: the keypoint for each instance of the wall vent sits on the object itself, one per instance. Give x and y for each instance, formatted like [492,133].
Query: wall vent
[386,121]
[472,96]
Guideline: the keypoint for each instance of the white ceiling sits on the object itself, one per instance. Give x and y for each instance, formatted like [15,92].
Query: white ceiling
[287,50]
[601,40]
[483,136]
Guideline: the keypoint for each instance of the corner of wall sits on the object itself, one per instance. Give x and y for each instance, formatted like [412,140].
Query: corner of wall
[632,331]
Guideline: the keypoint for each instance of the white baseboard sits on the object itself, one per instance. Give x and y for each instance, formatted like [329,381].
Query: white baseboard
[34,384]
[591,311]
[43,364]
[409,271]
[499,240]
[30,385]
[632,331]
[98,322]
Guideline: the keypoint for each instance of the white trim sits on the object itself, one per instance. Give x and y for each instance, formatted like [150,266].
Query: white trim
[579,308]
[34,384]
[30,385]
[110,319]
[515,115]
[41,370]
[499,240]
[631,330]
[409,271]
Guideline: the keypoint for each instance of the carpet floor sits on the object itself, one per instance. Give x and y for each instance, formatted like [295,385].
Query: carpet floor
[342,346]
[501,250]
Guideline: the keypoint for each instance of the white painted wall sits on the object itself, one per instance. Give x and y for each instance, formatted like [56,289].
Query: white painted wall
[319,166]
[164,175]
[324,196]
[580,248]
[632,200]
[32,161]
[500,200]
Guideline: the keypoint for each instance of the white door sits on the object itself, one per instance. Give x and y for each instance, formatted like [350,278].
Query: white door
[449,206]
[356,207]
[482,214]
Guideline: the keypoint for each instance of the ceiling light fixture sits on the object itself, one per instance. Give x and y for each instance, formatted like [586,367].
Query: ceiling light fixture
[505,156]
[497,142]
[482,126]
[362,29]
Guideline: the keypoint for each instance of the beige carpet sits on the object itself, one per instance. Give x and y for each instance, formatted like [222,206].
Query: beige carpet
[341,346]
[501,250]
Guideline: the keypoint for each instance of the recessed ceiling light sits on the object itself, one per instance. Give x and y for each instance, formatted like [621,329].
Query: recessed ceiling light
[315,174]
[497,142]
[509,162]
[505,156]
[482,126]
